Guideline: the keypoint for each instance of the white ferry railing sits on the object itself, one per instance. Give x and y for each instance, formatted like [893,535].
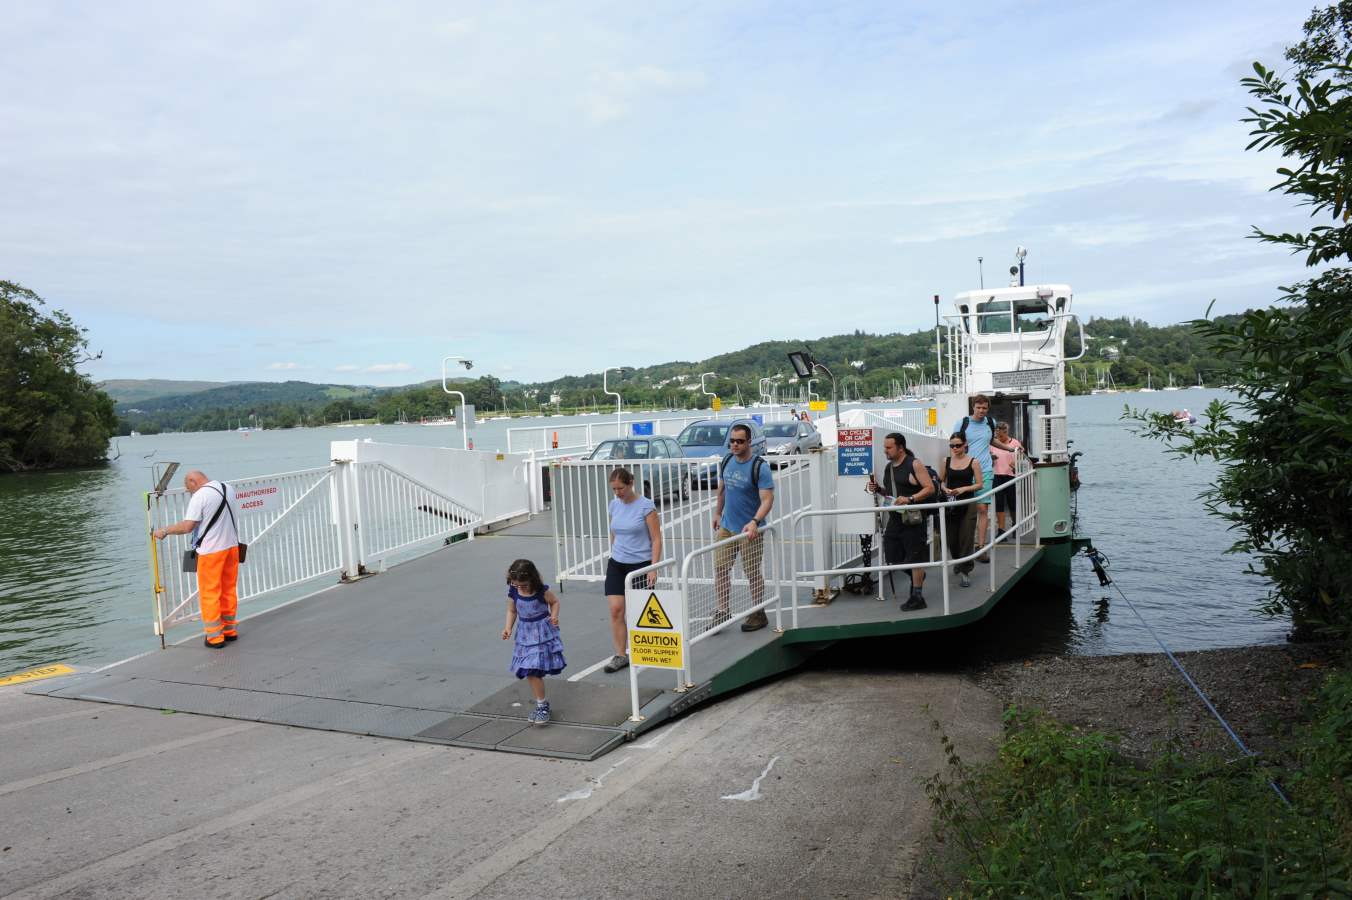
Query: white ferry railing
[586,435]
[914,419]
[1022,523]
[667,577]
[397,513]
[289,522]
[581,495]
[700,602]
[305,525]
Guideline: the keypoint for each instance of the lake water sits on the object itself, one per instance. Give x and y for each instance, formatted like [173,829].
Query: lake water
[75,582]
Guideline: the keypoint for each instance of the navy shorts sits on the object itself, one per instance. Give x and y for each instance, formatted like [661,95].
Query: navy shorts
[617,574]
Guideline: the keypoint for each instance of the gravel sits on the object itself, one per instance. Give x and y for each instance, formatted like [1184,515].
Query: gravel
[1143,700]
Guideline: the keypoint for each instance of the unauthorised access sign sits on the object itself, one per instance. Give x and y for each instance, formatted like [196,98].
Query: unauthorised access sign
[656,631]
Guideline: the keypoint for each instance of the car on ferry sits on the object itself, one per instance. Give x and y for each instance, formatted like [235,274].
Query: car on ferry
[633,452]
[791,438]
[708,438]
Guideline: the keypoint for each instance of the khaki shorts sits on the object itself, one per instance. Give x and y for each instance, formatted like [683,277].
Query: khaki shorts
[751,552]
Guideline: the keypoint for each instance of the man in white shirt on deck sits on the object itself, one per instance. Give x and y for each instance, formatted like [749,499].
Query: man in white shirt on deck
[211,520]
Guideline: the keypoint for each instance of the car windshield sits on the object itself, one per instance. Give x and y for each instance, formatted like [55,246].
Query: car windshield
[621,450]
[781,430]
[704,436]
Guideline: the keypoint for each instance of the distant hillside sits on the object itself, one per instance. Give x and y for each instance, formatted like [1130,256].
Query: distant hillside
[133,390]
[243,395]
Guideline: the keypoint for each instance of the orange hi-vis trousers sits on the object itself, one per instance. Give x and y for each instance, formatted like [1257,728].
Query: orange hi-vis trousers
[216,577]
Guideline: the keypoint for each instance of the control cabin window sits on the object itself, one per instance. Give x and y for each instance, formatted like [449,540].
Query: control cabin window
[993,317]
[1032,315]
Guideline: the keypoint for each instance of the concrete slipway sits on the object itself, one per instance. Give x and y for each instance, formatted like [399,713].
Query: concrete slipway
[806,787]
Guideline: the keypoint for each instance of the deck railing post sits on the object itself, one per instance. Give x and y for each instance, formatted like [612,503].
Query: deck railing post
[943,553]
[347,545]
[816,467]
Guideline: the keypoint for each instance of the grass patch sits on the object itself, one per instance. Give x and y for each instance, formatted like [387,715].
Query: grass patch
[1060,813]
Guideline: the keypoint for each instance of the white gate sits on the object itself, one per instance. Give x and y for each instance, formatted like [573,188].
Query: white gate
[302,526]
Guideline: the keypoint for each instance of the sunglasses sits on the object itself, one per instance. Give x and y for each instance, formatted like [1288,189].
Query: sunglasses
[957,446]
[736,440]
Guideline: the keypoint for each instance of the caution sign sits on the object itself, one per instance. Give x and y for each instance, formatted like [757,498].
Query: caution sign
[716,403]
[653,615]
[816,405]
[656,632]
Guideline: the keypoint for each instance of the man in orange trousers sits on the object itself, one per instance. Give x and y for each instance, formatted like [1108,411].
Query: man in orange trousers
[210,519]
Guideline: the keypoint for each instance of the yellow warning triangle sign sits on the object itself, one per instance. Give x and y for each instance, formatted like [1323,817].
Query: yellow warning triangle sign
[653,615]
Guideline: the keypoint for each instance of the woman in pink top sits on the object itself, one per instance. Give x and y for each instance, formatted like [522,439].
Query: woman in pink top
[1003,461]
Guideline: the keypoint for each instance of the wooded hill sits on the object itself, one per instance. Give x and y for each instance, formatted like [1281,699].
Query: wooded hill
[866,366]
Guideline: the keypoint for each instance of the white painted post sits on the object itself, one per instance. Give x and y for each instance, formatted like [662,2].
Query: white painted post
[347,544]
[816,469]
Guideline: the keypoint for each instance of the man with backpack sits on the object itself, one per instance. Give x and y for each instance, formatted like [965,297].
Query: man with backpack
[746,492]
[905,481]
[217,546]
[979,431]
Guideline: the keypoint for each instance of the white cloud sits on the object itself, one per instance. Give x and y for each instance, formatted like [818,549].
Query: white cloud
[379,368]
[285,365]
[615,92]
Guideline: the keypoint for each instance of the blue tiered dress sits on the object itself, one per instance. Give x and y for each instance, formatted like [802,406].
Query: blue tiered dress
[539,649]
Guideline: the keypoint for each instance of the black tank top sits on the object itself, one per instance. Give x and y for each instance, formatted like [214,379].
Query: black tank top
[956,478]
[898,479]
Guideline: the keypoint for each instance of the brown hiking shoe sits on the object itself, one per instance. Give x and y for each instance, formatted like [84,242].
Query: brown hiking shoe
[756,621]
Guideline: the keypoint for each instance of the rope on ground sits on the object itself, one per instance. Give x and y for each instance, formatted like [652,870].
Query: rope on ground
[1101,563]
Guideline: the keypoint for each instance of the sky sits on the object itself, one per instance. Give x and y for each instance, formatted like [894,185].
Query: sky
[348,192]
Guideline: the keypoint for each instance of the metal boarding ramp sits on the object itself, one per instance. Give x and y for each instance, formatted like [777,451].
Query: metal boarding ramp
[414,653]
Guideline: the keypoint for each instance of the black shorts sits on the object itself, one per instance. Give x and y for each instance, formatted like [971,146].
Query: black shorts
[1007,500]
[616,573]
[906,544]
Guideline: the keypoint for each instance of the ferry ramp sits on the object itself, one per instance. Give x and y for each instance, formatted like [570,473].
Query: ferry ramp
[415,653]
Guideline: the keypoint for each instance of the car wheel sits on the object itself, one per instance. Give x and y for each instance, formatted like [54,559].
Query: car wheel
[648,490]
[685,487]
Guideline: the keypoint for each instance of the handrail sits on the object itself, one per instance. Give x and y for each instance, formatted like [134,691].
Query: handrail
[764,535]
[944,562]
[633,669]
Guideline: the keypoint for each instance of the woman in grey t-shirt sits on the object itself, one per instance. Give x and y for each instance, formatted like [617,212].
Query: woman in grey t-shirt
[635,543]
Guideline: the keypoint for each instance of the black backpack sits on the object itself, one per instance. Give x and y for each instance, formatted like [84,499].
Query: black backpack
[990,420]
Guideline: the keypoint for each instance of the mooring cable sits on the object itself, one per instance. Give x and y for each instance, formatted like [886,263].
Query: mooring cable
[1100,562]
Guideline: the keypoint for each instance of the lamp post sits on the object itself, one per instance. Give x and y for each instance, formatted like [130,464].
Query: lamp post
[463,418]
[803,366]
[605,388]
[705,392]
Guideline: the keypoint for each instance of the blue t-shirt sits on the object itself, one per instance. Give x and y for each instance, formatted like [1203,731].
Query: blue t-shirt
[632,544]
[979,436]
[740,498]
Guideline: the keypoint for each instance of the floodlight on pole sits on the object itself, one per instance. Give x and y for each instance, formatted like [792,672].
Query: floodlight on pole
[804,365]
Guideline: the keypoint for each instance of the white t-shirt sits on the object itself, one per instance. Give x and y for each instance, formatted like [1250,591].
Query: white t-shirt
[202,507]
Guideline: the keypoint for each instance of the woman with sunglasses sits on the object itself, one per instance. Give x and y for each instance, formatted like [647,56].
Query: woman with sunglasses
[962,478]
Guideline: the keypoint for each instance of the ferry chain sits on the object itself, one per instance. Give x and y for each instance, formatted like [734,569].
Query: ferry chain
[1101,563]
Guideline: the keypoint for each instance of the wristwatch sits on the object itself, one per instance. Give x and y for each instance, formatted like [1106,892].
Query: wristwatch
[760,523]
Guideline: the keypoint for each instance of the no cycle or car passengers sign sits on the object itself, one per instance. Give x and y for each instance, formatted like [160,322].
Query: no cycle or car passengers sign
[656,632]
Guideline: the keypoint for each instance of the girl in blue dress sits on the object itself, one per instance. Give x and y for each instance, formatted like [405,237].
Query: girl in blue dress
[534,610]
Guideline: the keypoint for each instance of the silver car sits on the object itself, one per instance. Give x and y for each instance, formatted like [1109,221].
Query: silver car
[791,438]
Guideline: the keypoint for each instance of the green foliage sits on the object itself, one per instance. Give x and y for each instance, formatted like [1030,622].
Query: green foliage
[1060,813]
[51,416]
[1287,443]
